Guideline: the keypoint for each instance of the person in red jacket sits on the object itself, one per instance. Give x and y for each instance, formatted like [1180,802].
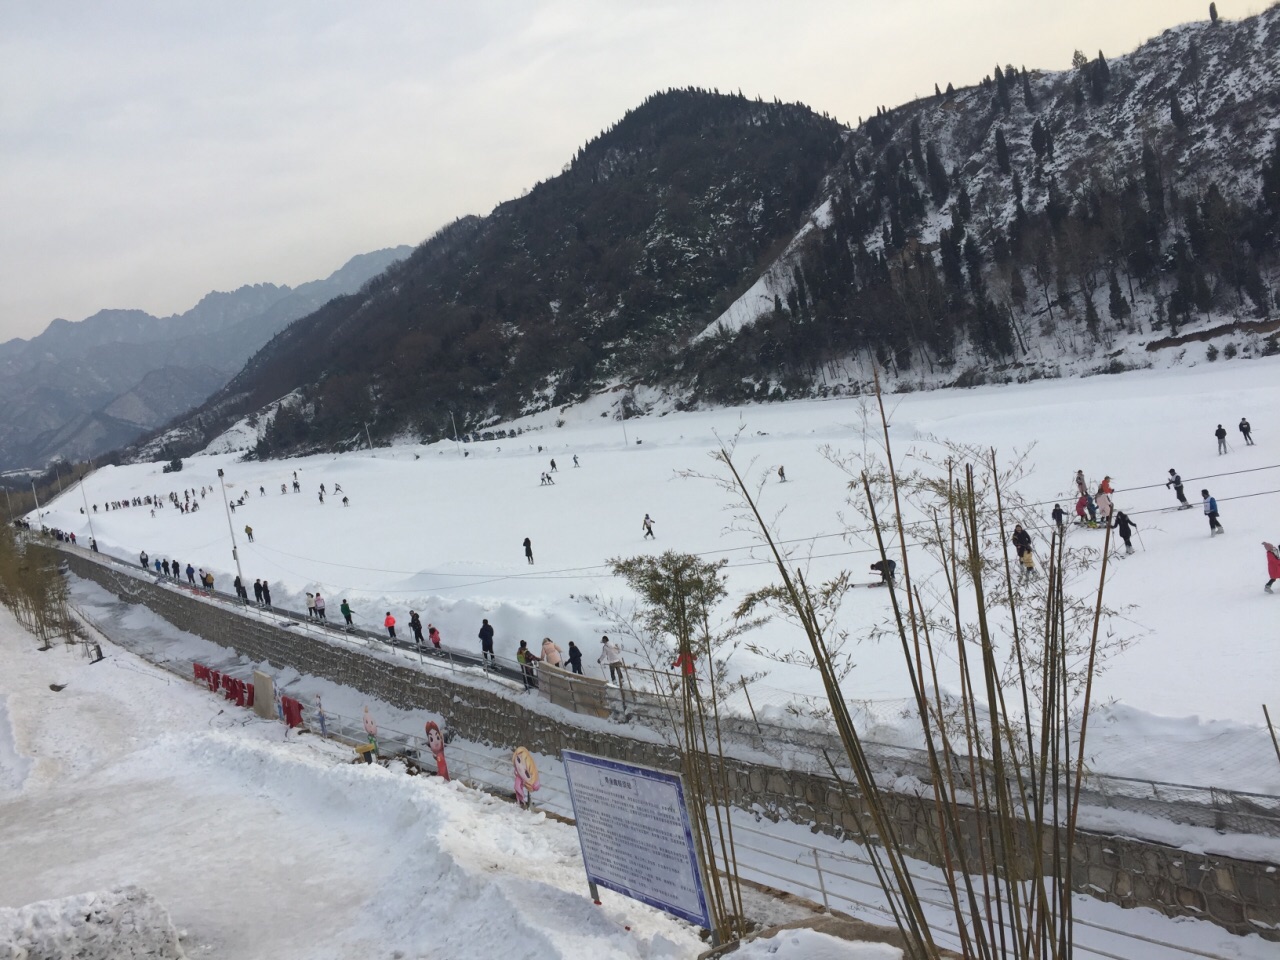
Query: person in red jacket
[1273,564]
[390,624]
[685,664]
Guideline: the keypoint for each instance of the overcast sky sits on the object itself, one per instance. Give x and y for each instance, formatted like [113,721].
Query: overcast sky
[151,152]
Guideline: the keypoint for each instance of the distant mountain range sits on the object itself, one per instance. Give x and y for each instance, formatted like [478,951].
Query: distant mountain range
[714,249]
[80,389]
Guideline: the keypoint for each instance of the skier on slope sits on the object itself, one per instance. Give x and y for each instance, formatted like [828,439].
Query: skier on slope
[1273,564]
[1104,504]
[1175,481]
[1211,511]
[1022,543]
[433,635]
[1247,431]
[647,526]
[886,568]
[1221,434]
[486,644]
[1126,527]
[415,624]
[390,624]
[346,611]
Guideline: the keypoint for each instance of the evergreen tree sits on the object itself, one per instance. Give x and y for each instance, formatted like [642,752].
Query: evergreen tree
[1092,322]
[950,90]
[1002,151]
[1213,14]
[936,91]
[1027,97]
[1117,304]
[1099,78]
[1152,181]
[1175,111]
[917,154]
[939,185]
[1038,141]
[1271,181]
[1002,90]
[964,206]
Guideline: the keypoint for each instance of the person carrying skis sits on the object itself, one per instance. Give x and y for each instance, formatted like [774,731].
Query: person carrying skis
[486,644]
[1211,511]
[1059,517]
[612,657]
[390,624]
[1247,431]
[346,611]
[1273,564]
[1126,528]
[886,568]
[1175,481]
[647,526]
[1221,434]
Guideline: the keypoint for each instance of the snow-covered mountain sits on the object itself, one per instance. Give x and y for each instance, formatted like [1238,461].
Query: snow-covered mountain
[79,389]
[1124,213]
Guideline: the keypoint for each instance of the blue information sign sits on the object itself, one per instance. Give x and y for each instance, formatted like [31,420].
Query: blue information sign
[636,838]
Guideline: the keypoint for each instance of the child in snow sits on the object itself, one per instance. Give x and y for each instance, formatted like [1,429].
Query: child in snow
[1273,564]
[434,636]
[1059,517]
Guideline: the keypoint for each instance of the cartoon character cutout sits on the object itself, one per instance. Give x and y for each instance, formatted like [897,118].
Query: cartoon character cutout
[371,728]
[435,743]
[526,772]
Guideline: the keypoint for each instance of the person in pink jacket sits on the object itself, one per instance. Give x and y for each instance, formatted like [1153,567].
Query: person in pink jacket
[550,652]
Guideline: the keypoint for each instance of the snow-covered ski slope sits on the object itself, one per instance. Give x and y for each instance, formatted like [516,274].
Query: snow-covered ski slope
[441,533]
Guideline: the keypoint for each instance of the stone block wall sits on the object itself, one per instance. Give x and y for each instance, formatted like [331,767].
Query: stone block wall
[1241,895]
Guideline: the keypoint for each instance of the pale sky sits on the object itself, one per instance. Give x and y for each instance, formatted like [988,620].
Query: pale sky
[151,152]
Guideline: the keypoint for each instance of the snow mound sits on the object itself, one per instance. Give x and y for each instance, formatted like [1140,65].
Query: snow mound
[120,924]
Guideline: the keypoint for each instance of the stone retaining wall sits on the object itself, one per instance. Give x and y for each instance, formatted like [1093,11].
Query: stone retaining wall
[1241,895]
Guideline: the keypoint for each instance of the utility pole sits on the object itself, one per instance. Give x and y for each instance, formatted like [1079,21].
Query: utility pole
[456,441]
[88,515]
[57,477]
[367,437]
[235,552]
[37,498]
[9,502]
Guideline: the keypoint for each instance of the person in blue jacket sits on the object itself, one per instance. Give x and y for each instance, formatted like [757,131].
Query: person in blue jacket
[1211,511]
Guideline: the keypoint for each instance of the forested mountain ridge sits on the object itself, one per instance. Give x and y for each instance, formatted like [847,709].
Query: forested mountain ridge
[79,389]
[722,249]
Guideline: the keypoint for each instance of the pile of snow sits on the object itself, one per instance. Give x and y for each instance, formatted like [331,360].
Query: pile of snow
[126,923]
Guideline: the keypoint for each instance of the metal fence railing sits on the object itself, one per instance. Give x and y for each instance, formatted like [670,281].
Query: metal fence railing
[1226,811]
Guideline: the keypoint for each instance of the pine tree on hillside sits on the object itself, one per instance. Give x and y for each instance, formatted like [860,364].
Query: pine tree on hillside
[1152,181]
[950,90]
[1002,151]
[1213,14]
[1117,304]
[939,185]
[1002,89]
[1176,115]
[936,91]
[1027,97]
[1039,143]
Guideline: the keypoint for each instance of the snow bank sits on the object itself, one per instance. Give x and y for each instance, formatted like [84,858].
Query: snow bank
[119,924]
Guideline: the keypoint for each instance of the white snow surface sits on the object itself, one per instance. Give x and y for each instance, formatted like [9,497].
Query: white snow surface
[260,847]
[126,923]
[439,532]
